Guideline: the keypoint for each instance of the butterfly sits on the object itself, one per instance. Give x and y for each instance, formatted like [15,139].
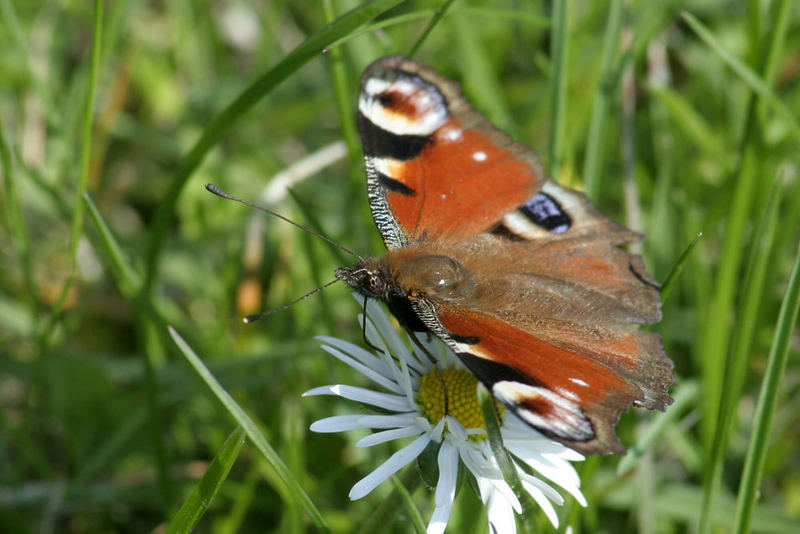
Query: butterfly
[522,278]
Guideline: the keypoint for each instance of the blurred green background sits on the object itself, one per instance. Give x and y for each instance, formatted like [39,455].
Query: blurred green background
[677,117]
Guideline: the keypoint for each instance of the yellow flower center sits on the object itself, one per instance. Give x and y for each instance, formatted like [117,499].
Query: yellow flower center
[460,402]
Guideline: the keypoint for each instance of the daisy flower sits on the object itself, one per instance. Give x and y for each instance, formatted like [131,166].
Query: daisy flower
[413,406]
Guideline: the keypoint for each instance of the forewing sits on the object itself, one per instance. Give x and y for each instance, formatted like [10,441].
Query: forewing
[436,168]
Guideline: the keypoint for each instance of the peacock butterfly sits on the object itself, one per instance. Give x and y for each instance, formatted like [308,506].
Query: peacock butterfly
[522,278]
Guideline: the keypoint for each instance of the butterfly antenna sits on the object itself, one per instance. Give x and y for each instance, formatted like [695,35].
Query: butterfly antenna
[220,193]
[255,317]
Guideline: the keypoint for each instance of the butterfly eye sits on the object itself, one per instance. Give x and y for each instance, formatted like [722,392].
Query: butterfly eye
[374,284]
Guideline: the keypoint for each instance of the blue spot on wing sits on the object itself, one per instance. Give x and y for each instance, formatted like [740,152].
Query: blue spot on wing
[544,211]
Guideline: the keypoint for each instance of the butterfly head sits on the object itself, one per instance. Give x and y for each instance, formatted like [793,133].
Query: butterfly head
[367,277]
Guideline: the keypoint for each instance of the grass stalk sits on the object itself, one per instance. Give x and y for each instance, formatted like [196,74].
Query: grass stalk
[258,89]
[609,71]
[760,434]
[559,45]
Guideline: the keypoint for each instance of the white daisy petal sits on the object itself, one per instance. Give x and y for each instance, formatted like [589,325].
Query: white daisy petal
[343,423]
[387,401]
[404,379]
[373,375]
[475,462]
[389,467]
[443,354]
[514,429]
[360,354]
[398,369]
[555,469]
[499,510]
[378,335]
[384,329]
[546,465]
[438,521]
[541,445]
[448,472]
[501,487]
[542,486]
[456,428]
[436,432]
[389,435]
[542,501]
[445,488]
[338,423]
[537,443]
[485,464]
[321,390]
[388,421]
[426,425]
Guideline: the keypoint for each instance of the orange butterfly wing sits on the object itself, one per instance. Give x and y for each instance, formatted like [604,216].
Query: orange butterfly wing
[430,156]
[522,278]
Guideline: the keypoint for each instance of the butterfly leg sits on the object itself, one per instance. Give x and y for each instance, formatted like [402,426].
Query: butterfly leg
[364,329]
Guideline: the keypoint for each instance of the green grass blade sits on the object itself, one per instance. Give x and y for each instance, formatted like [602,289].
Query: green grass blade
[559,45]
[755,82]
[242,498]
[153,349]
[524,17]
[9,17]
[149,325]
[717,332]
[408,504]
[467,11]
[609,73]
[83,173]
[681,263]
[759,436]
[778,29]
[736,370]
[15,220]
[343,96]
[128,280]
[252,431]
[479,77]
[305,52]
[431,25]
[707,146]
[86,132]
[688,120]
[201,496]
